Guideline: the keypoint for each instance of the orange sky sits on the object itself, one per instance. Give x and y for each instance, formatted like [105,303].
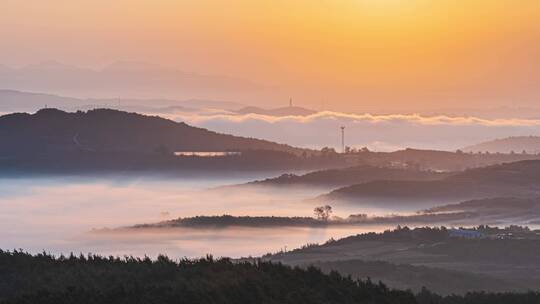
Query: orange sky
[355,54]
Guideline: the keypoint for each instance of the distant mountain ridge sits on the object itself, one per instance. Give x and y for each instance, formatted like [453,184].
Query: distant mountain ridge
[516,144]
[21,101]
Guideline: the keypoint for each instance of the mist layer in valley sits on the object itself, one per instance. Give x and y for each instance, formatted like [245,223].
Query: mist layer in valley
[59,214]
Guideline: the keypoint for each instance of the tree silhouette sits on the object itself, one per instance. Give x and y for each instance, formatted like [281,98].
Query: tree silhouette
[323,212]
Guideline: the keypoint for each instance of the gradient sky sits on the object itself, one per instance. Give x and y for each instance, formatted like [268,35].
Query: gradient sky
[351,55]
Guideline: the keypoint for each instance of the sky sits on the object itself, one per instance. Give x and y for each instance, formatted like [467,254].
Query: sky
[342,55]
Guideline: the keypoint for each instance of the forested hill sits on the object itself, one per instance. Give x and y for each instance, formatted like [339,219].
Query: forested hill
[86,280]
[51,131]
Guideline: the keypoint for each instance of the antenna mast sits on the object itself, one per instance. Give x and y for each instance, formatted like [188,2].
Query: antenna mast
[342,139]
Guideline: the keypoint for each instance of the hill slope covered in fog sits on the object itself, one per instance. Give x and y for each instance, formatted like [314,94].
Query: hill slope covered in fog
[349,176]
[519,179]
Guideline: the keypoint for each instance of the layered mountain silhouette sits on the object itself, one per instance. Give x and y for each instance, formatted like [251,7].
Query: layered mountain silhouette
[519,179]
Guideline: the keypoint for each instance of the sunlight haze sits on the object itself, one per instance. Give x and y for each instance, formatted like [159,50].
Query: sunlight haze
[361,55]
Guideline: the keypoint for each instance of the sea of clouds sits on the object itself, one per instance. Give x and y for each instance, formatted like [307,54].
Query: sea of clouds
[377,132]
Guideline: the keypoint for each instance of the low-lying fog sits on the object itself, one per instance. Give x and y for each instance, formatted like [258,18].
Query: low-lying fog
[69,214]
[57,214]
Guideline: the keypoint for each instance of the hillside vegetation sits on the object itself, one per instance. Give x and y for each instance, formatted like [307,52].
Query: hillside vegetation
[44,279]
